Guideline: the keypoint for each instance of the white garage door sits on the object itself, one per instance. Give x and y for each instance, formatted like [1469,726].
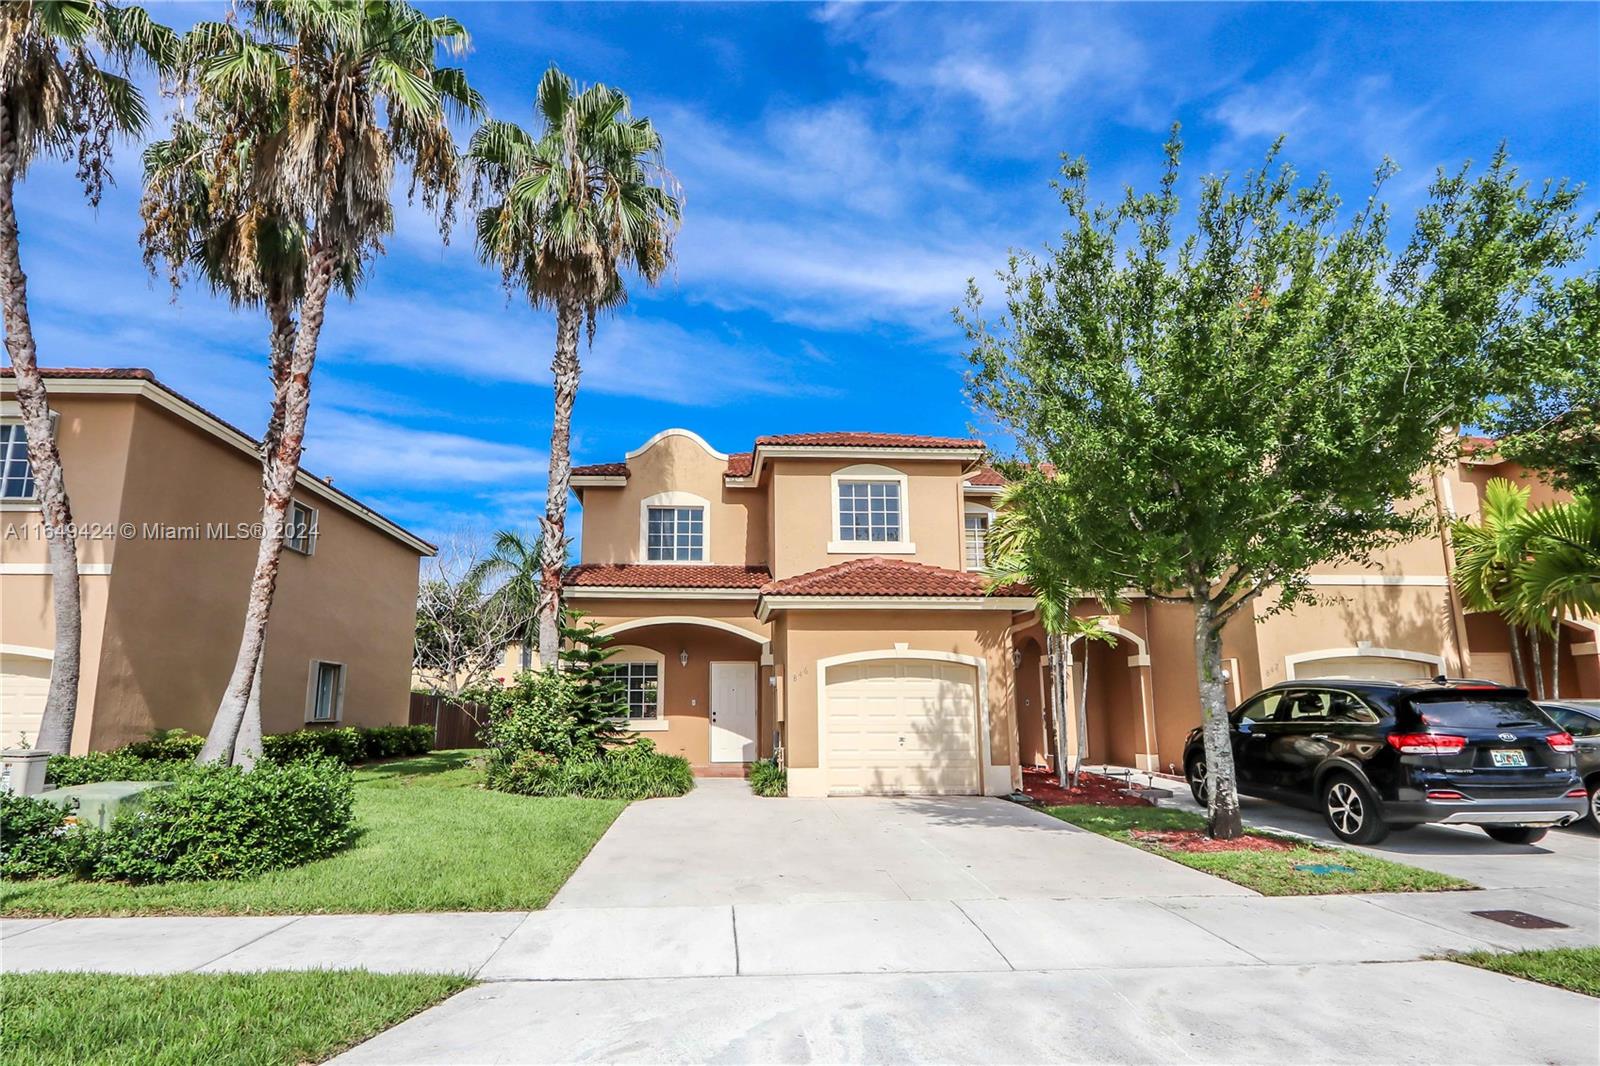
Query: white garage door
[24,682]
[1376,667]
[901,726]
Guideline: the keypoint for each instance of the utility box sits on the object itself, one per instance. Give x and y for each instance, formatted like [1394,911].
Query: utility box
[22,771]
[99,803]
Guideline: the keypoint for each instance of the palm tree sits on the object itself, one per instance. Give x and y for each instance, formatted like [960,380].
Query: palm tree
[63,93]
[1559,575]
[1020,555]
[564,213]
[304,109]
[516,563]
[1487,554]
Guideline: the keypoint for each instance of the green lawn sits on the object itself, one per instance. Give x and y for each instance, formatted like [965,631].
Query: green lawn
[1575,969]
[217,1019]
[1272,873]
[431,840]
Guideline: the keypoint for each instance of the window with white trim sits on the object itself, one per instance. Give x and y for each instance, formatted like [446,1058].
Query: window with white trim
[870,511]
[16,471]
[300,532]
[675,534]
[975,537]
[642,681]
[326,701]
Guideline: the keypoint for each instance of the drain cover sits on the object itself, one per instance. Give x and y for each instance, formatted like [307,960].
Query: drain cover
[1520,919]
[1324,869]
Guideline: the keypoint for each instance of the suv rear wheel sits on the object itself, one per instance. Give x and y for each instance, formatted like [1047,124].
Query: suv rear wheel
[1197,779]
[1516,834]
[1594,803]
[1352,810]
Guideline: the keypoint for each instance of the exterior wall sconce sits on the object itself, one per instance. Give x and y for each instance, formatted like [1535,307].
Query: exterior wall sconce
[1016,658]
[683,657]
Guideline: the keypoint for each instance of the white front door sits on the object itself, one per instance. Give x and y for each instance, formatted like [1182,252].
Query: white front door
[733,712]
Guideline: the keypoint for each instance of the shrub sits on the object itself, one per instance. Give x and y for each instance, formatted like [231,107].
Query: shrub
[219,823]
[393,741]
[767,778]
[341,742]
[636,771]
[170,744]
[65,770]
[537,713]
[35,840]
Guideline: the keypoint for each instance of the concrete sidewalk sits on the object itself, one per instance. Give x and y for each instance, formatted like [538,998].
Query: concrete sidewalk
[792,939]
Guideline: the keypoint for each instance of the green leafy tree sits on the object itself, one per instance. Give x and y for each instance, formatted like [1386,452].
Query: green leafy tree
[602,696]
[1550,419]
[513,569]
[566,212]
[305,109]
[64,94]
[1226,410]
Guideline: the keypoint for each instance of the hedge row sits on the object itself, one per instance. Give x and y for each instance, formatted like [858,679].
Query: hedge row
[164,755]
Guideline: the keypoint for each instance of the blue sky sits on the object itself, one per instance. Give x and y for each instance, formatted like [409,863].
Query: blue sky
[845,170]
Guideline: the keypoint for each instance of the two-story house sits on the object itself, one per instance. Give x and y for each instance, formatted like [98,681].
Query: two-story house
[167,501]
[824,593]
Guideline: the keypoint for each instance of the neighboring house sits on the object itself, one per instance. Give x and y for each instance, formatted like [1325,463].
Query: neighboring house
[167,501]
[825,593]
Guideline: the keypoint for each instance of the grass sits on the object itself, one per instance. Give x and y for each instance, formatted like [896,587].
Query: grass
[431,840]
[218,1019]
[1272,873]
[1575,969]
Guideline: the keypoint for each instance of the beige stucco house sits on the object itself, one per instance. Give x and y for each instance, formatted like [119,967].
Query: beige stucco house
[165,496]
[824,593]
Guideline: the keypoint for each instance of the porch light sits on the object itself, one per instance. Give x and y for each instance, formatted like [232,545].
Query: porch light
[683,656]
[1016,658]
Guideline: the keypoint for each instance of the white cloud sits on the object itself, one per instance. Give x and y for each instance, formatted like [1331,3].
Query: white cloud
[377,453]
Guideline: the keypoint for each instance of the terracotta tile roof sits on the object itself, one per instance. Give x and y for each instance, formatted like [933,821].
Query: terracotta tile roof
[601,470]
[667,576]
[1471,445]
[867,440]
[133,373]
[877,576]
[741,463]
[987,476]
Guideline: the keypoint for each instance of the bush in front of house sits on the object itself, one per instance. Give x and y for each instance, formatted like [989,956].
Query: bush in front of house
[396,741]
[62,771]
[634,771]
[337,742]
[222,823]
[35,839]
[767,778]
[166,744]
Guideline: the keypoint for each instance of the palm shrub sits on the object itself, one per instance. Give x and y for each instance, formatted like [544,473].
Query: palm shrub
[767,778]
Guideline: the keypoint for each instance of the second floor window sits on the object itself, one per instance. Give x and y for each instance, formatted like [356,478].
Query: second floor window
[976,537]
[301,532]
[16,472]
[676,535]
[869,510]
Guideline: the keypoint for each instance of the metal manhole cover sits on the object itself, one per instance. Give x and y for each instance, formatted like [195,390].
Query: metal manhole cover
[1520,920]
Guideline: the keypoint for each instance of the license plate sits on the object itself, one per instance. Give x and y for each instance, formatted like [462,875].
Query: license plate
[1509,757]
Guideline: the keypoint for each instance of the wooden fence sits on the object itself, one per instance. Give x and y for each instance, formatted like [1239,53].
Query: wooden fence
[455,725]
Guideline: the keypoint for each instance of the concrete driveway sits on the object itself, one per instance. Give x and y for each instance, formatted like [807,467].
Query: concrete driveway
[722,845]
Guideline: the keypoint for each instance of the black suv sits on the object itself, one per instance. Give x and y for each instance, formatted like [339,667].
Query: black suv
[1380,755]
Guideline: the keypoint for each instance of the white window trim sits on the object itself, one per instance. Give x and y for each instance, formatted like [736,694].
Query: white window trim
[312,528]
[674,498]
[338,698]
[632,653]
[871,472]
[11,415]
[1291,663]
[974,508]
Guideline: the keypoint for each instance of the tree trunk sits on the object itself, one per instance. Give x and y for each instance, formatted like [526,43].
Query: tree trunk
[1083,717]
[1537,654]
[1225,821]
[247,749]
[553,556]
[1517,665]
[1555,660]
[1058,702]
[61,542]
[278,480]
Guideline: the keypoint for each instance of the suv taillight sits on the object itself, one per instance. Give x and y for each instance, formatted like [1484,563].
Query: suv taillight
[1426,743]
[1562,742]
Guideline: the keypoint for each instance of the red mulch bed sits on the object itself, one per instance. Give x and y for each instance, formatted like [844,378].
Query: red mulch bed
[1195,840]
[1092,788]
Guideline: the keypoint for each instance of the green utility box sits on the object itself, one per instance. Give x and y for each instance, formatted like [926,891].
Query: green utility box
[99,803]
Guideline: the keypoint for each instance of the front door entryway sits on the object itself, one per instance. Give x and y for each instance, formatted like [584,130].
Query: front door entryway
[733,712]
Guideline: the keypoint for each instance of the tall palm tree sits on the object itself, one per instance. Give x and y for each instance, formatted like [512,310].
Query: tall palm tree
[1559,576]
[1488,553]
[516,563]
[563,214]
[64,92]
[309,105]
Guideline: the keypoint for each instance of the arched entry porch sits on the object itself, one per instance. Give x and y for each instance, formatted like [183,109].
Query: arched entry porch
[1495,650]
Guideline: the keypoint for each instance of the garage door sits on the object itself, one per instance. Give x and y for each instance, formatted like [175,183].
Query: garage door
[24,682]
[1377,667]
[896,726]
